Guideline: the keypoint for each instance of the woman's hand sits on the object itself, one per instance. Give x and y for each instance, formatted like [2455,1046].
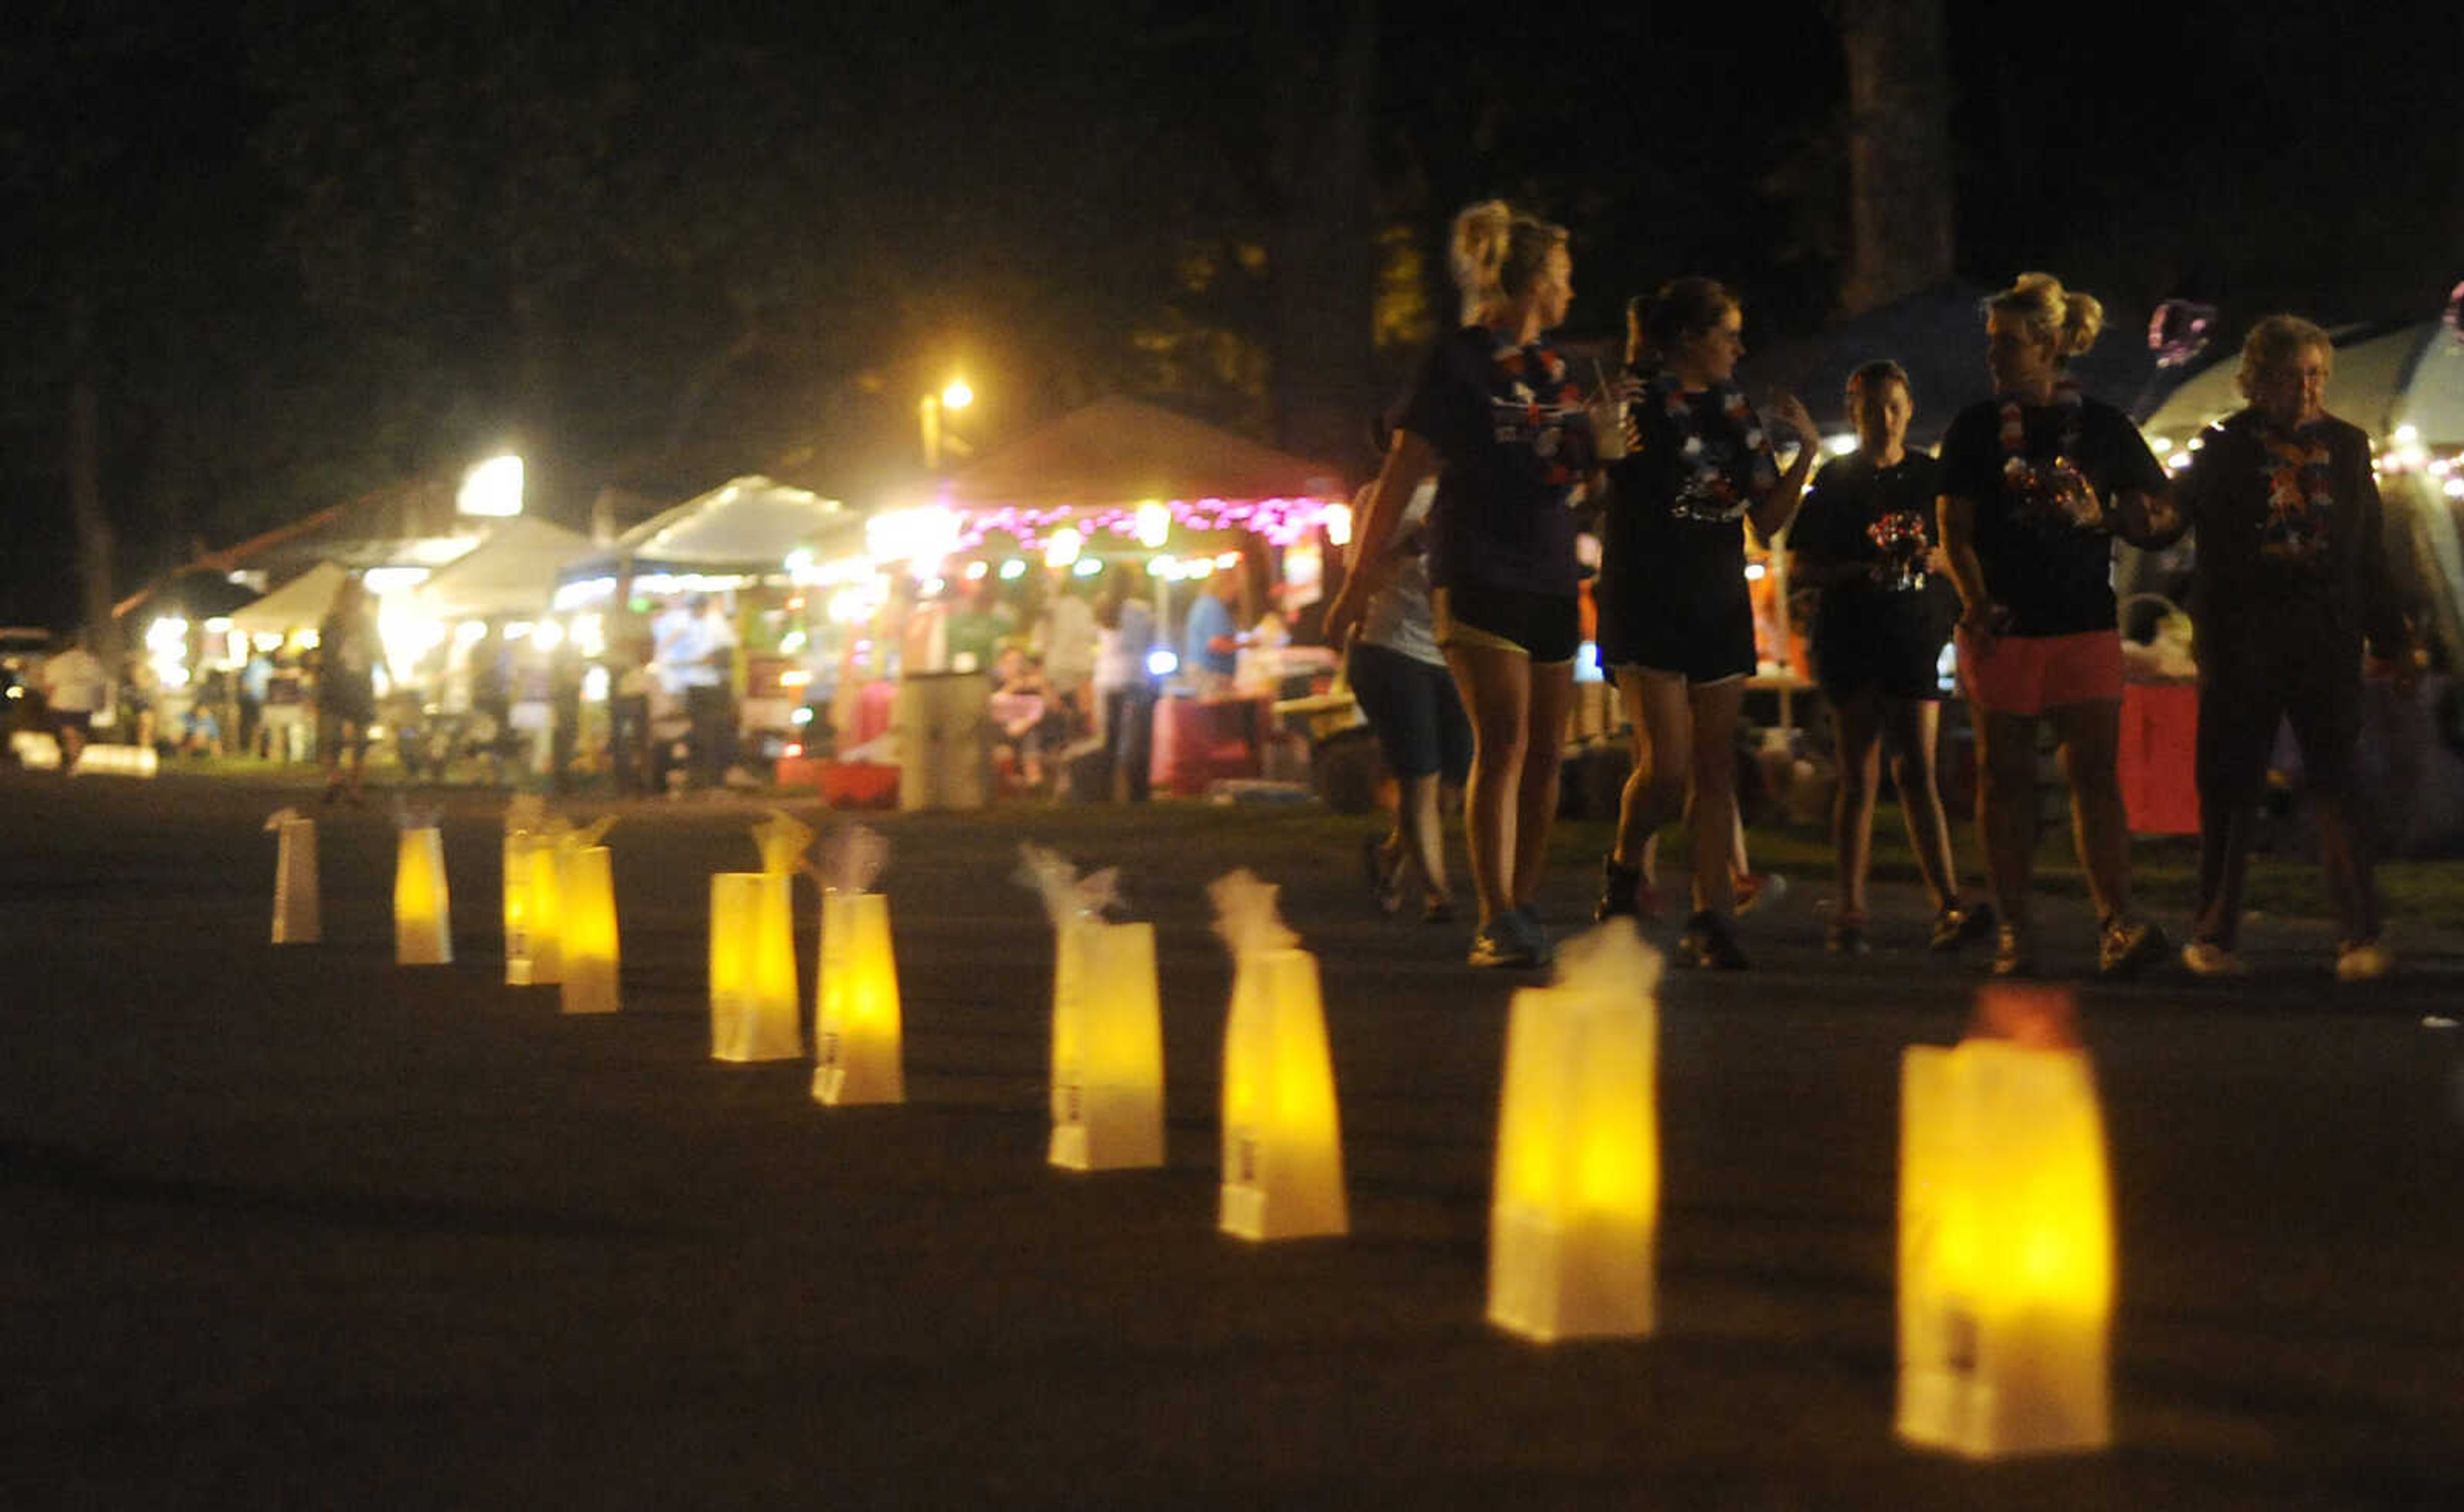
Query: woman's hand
[1790,411]
[1982,628]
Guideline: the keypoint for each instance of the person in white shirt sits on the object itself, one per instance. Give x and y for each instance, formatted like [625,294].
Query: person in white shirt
[1123,687]
[1065,639]
[694,641]
[75,684]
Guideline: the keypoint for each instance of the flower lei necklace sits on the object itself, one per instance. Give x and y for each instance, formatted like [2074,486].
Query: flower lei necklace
[1706,492]
[1547,409]
[2300,497]
[2053,491]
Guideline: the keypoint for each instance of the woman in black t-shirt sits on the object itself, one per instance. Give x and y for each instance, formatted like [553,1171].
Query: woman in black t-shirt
[1676,627]
[1497,420]
[2036,484]
[1865,541]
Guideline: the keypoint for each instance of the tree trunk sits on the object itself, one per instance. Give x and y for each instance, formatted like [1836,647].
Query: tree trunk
[1323,257]
[84,467]
[1898,150]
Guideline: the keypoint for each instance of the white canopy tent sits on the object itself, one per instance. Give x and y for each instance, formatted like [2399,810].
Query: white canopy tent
[299,604]
[747,524]
[511,573]
[2385,380]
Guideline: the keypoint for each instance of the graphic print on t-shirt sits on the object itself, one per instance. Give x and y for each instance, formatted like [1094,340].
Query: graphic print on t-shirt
[1521,414]
[2301,502]
[2051,493]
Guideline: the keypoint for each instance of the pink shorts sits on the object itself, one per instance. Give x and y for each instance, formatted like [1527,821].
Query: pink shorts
[2028,674]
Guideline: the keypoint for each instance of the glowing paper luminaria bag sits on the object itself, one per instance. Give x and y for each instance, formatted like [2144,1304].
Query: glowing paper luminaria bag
[1282,1138]
[1107,1023]
[858,1038]
[2006,1237]
[1574,1212]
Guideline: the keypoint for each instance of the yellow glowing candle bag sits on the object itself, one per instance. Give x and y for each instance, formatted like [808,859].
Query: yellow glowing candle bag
[544,909]
[856,1027]
[298,915]
[1574,1212]
[2006,1244]
[525,823]
[589,938]
[753,993]
[1283,1139]
[1107,1047]
[422,932]
[519,844]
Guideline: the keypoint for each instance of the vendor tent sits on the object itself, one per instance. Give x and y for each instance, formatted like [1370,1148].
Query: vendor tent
[512,571]
[749,524]
[1120,451]
[299,604]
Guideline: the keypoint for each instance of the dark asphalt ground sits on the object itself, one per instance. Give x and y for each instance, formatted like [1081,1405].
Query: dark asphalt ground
[298,1227]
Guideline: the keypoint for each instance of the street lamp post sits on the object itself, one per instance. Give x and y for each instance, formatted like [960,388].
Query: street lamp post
[929,413]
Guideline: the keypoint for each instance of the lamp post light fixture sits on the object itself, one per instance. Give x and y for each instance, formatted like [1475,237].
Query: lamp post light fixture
[493,489]
[930,411]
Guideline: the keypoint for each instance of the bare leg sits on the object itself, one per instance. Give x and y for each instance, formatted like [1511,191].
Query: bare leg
[1552,698]
[1655,793]
[2091,737]
[1419,834]
[1914,728]
[1714,773]
[1857,720]
[1496,688]
[2006,807]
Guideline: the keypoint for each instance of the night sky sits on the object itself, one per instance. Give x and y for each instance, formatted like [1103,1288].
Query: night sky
[306,250]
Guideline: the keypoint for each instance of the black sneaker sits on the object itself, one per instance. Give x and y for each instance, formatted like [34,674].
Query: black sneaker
[1501,942]
[1708,942]
[1536,934]
[1954,927]
[1620,891]
[1846,937]
[2127,947]
[2014,954]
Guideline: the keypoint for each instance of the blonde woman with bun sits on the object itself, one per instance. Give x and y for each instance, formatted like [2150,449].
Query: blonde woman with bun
[2037,483]
[1499,422]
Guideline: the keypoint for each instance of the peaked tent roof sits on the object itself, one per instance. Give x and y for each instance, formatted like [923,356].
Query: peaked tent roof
[1120,450]
[298,605]
[512,571]
[747,522]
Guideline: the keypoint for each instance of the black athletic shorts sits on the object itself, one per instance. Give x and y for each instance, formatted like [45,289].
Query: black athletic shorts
[1546,627]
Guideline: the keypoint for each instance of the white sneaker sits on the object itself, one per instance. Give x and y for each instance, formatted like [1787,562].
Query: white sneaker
[2365,962]
[2207,958]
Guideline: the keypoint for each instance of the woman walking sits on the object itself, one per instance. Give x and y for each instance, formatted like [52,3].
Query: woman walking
[2036,485]
[1398,674]
[1866,541]
[1675,624]
[1497,420]
[2291,581]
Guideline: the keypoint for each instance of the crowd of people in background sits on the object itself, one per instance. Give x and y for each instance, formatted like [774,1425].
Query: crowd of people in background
[2003,544]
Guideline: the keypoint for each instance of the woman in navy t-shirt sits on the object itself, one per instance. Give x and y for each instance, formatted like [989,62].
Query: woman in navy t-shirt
[2036,484]
[1865,542]
[1501,423]
[1676,628]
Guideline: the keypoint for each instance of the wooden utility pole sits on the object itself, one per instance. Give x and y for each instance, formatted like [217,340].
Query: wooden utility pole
[83,465]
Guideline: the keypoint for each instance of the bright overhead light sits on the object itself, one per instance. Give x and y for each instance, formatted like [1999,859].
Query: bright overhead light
[494,487]
[958,396]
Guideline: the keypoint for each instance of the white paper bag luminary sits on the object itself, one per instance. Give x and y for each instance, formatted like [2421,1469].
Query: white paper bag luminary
[1107,1024]
[753,993]
[423,933]
[2006,1238]
[525,820]
[1575,1212]
[589,938]
[297,914]
[857,1036]
[1282,1137]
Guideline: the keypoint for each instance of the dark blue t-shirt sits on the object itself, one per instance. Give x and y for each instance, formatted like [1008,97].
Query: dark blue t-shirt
[2045,543]
[1509,425]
